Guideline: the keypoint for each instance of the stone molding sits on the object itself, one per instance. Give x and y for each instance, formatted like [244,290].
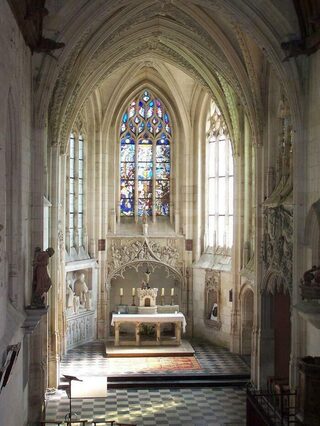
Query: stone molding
[80,329]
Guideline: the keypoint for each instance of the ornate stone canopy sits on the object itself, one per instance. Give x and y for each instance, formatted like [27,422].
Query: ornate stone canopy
[138,254]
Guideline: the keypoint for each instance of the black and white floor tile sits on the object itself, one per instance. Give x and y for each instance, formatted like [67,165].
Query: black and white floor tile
[153,407]
[89,360]
[158,407]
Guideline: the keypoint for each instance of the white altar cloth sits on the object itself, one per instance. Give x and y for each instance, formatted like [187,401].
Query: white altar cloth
[150,318]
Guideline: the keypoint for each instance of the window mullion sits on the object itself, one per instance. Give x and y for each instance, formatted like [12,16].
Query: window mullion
[153,180]
[136,194]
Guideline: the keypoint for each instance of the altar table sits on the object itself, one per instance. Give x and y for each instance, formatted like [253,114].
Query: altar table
[178,319]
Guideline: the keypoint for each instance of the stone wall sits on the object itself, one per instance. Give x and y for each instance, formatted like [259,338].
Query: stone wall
[311,344]
[15,166]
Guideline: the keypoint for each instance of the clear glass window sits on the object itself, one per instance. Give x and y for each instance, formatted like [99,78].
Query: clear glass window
[220,182]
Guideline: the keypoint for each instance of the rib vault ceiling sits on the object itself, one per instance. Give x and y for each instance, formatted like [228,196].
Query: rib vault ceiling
[225,46]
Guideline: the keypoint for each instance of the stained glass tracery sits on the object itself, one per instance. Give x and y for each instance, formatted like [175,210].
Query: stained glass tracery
[145,138]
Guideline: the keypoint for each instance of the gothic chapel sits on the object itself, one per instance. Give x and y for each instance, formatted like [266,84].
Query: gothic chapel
[160,212]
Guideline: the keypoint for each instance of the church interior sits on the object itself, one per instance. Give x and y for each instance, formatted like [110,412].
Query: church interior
[160,212]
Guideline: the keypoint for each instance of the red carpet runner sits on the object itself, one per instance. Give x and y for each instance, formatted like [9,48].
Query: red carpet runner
[148,364]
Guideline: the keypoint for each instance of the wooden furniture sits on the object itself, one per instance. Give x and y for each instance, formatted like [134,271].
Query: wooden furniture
[309,390]
[157,319]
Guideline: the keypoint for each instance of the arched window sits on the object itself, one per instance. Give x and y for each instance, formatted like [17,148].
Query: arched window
[145,144]
[220,182]
[75,193]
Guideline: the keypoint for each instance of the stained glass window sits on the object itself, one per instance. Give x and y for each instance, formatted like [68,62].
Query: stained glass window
[145,166]
[220,182]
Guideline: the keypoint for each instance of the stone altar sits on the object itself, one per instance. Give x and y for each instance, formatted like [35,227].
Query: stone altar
[178,319]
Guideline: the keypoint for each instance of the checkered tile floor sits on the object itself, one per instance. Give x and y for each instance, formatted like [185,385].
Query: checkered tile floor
[89,360]
[153,407]
[167,407]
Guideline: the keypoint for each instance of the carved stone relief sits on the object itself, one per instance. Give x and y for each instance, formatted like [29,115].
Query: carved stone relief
[80,329]
[78,292]
[212,299]
[123,254]
[278,245]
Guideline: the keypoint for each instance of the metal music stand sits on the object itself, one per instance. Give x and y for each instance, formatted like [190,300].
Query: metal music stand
[68,390]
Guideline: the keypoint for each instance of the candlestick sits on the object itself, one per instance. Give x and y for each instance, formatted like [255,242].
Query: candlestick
[172,292]
[162,291]
[133,291]
[121,291]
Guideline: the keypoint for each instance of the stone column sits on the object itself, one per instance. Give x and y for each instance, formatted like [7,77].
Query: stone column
[54,292]
[259,336]
[103,302]
[238,226]
[158,333]
[178,332]
[37,372]
[137,334]
[116,333]
[37,377]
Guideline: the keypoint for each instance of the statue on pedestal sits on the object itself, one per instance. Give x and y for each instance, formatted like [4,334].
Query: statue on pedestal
[41,282]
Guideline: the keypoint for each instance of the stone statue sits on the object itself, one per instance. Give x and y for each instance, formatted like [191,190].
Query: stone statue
[76,304]
[41,280]
[88,304]
[81,289]
[70,295]
[214,312]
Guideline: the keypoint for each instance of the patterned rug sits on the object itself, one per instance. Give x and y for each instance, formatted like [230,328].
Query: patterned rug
[148,364]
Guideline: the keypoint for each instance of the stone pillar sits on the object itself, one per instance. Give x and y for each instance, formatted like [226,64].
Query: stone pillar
[178,332]
[259,337]
[158,333]
[37,377]
[117,334]
[237,249]
[137,334]
[103,302]
[55,291]
[37,372]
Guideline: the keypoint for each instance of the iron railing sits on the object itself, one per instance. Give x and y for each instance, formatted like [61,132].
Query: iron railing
[276,409]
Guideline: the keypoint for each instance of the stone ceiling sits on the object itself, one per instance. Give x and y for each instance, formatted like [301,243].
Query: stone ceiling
[226,46]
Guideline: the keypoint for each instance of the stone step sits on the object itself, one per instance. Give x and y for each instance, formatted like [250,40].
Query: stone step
[167,381]
[176,384]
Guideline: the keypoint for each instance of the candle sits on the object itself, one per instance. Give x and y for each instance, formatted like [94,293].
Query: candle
[133,291]
[162,291]
[121,291]
[172,292]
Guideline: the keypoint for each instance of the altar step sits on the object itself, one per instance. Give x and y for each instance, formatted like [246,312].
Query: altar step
[178,381]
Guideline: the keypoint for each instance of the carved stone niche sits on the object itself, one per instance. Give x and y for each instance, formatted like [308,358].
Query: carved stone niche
[212,295]
[147,300]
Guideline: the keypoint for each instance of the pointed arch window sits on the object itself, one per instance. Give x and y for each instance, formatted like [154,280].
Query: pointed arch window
[220,182]
[75,191]
[145,158]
